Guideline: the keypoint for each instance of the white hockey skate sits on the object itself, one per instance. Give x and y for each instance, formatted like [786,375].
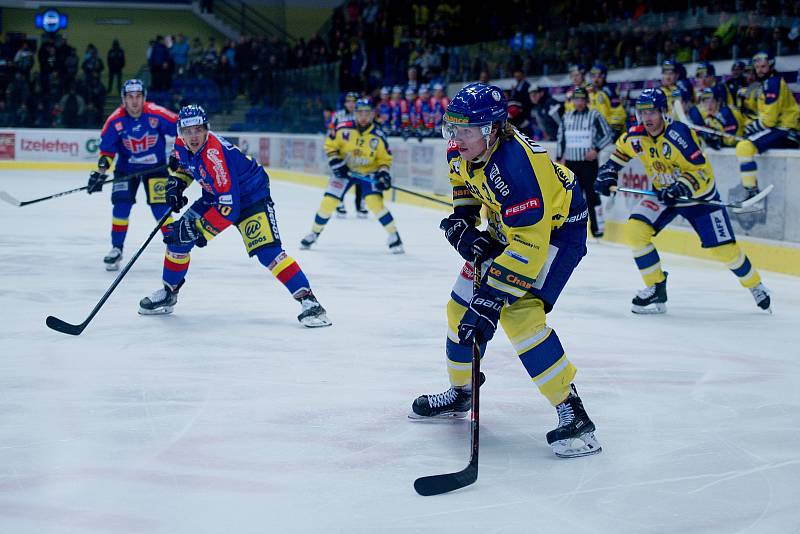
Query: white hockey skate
[761,296]
[574,436]
[161,302]
[313,314]
[113,259]
[308,240]
[652,299]
[395,244]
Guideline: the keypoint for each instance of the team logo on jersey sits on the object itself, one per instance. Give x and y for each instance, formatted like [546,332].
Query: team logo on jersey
[666,150]
[203,173]
[252,228]
[373,144]
[636,144]
[516,209]
[153,122]
[136,145]
[346,136]
[220,174]
[659,167]
[118,126]
[496,96]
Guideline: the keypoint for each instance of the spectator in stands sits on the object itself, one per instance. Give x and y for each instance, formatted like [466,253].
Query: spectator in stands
[6,118]
[92,65]
[179,53]
[23,61]
[224,78]
[520,91]
[69,67]
[413,79]
[116,62]
[158,62]
[71,107]
[43,117]
[546,111]
[17,92]
[195,57]
[210,58]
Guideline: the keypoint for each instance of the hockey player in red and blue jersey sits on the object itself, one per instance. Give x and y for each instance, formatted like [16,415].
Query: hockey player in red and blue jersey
[383,111]
[235,192]
[439,105]
[136,133]
[400,113]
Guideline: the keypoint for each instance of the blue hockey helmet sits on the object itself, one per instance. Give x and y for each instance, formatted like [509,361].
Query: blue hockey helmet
[192,115]
[705,68]
[475,105]
[737,65]
[364,104]
[599,68]
[651,99]
[134,85]
[707,93]
[763,55]
[669,65]
[352,95]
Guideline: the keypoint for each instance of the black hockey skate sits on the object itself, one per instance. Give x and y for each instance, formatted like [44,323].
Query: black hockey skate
[395,244]
[341,211]
[308,240]
[113,259]
[452,404]
[313,314]
[652,299]
[761,296]
[574,435]
[161,301]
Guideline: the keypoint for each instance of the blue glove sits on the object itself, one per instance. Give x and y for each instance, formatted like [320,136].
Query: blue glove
[184,232]
[174,193]
[480,320]
[753,128]
[383,180]
[676,192]
[468,241]
[340,168]
[95,184]
[606,178]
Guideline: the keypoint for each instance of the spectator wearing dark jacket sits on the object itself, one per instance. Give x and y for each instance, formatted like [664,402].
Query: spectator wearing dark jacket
[159,66]
[116,62]
[546,111]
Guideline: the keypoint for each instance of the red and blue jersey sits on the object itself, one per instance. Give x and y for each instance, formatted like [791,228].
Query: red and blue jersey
[138,143]
[230,180]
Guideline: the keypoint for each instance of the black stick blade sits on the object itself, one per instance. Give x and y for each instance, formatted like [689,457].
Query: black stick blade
[8,198]
[438,484]
[65,328]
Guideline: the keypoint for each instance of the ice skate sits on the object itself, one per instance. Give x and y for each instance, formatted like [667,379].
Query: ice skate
[161,301]
[761,296]
[308,240]
[361,211]
[395,244]
[574,435]
[341,211]
[652,299]
[313,314]
[451,404]
[113,259]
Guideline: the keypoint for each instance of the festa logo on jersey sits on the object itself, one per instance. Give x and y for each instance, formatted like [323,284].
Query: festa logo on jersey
[221,177]
[531,203]
[153,122]
[695,155]
[136,145]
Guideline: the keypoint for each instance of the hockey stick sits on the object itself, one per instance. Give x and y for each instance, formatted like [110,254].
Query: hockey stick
[75,329]
[369,179]
[743,205]
[677,108]
[438,484]
[14,202]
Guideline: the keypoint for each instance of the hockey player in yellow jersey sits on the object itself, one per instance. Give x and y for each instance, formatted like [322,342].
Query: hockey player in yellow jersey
[536,237]
[358,152]
[669,79]
[605,100]
[776,125]
[747,94]
[721,117]
[679,173]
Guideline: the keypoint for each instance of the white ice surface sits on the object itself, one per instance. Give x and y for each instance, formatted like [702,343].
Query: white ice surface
[228,417]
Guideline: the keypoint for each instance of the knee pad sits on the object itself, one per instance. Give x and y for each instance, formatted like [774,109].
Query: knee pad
[374,203]
[746,150]
[639,234]
[328,205]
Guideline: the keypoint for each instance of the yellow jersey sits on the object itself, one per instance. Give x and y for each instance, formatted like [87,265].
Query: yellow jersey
[364,151]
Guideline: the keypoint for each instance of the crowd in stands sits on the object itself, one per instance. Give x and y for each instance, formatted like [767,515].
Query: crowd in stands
[50,86]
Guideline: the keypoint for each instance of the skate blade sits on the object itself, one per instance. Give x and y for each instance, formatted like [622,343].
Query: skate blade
[159,311]
[450,416]
[652,309]
[397,250]
[304,247]
[584,445]
[362,215]
[340,215]
[316,322]
[112,266]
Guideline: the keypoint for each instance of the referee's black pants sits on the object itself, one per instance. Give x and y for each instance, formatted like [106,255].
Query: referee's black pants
[586,171]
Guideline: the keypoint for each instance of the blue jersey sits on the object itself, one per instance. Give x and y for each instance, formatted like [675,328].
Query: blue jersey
[230,180]
[138,143]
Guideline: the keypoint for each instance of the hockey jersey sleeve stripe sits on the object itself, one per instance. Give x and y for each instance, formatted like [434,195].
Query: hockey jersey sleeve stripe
[216,221]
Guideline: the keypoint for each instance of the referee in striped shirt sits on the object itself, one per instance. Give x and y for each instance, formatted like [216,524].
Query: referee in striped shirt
[582,134]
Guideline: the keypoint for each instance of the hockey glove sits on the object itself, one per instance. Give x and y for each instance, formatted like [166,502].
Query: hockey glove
[673,194]
[753,128]
[340,168]
[712,141]
[184,232]
[174,162]
[174,193]
[383,180]
[468,241]
[95,184]
[480,320]
[606,179]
